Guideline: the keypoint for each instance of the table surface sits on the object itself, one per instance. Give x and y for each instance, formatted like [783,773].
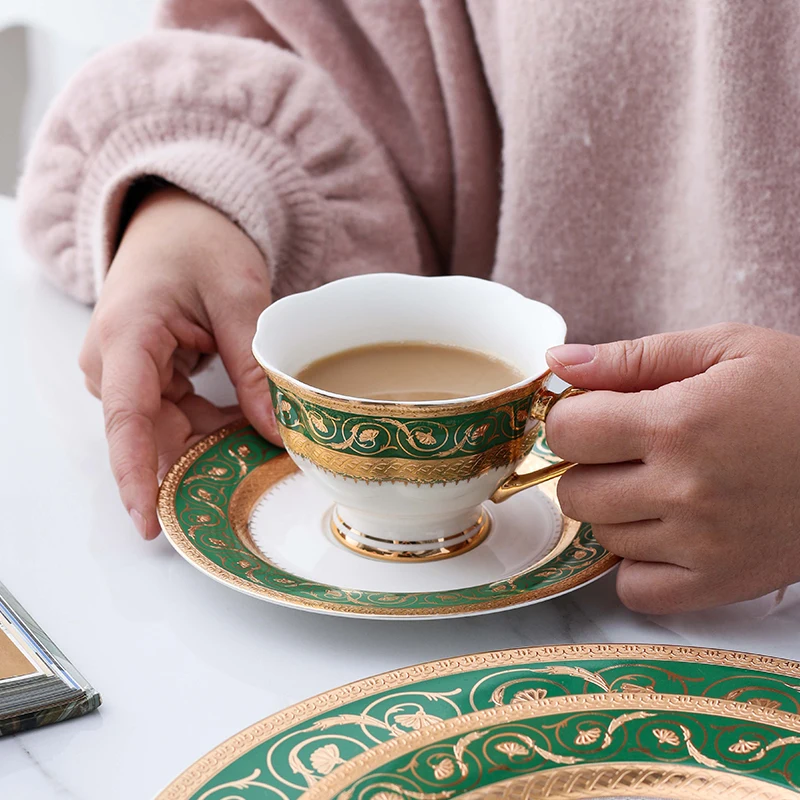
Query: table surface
[183,662]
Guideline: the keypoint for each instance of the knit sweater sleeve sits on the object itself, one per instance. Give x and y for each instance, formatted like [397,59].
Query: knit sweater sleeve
[243,124]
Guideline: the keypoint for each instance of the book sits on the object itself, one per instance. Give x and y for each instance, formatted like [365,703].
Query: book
[38,684]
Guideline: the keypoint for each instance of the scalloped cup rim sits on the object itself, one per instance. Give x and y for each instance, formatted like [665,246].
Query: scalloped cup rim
[301,297]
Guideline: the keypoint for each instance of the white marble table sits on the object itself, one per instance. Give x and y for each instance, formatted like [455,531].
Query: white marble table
[181,661]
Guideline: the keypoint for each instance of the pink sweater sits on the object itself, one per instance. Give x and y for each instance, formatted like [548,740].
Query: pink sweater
[634,164]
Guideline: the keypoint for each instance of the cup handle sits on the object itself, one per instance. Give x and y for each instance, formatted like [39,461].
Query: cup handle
[543,401]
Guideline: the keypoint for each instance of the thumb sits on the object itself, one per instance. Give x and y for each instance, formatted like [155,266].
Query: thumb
[234,337]
[638,364]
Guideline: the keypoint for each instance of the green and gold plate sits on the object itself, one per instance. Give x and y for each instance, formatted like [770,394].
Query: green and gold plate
[572,721]
[238,509]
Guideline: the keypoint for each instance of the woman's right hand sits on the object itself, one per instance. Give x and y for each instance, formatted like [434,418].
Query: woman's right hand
[185,281]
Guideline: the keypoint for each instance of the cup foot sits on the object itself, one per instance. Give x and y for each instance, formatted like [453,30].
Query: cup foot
[415,551]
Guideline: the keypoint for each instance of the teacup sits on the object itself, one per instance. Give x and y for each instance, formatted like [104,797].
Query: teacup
[409,480]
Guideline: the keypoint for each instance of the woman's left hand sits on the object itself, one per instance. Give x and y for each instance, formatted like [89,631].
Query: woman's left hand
[689,461]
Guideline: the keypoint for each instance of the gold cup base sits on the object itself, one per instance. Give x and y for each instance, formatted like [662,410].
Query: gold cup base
[445,547]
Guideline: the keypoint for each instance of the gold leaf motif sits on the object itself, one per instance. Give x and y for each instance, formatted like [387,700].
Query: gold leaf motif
[734,693]
[589,736]
[424,437]
[243,450]
[368,436]
[577,672]
[204,493]
[317,422]
[460,747]
[522,415]
[763,702]
[203,518]
[477,433]
[695,753]
[744,746]
[555,758]
[620,722]
[243,564]
[326,758]
[633,688]
[417,720]
[218,471]
[782,742]
[529,695]
[512,749]
[666,736]
[285,407]
[444,769]
[218,543]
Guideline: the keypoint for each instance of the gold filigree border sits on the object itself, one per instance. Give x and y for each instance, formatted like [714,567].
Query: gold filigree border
[177,536]
[236,746]
[365,763]
[407,470]
[423,410]
[678,782]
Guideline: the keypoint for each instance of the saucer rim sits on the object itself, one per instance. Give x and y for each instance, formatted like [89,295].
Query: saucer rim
[178,538]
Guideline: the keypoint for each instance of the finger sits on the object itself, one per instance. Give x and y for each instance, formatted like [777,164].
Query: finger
[205,417]
[599,428]
[186,361]
[92,387]
[610,494]
[131,394]
[234,333]
[660,588]
[647,363]
[179,386]
[641,541]
[90,360]
[181,425]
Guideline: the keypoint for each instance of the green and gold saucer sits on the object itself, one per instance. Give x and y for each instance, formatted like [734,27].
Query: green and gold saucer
[238,509]
[572,721]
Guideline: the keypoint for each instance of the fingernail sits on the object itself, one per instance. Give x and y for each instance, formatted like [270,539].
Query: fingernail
[571,355]
[138,521]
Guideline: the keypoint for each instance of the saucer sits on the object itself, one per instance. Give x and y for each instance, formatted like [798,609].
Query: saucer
[237,508]
[617,720]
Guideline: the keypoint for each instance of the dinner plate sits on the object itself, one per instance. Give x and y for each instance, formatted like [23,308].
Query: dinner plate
[584,746]
[740,712]
[238,509]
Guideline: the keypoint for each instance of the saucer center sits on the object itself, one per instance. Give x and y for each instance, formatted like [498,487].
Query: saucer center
[291,527]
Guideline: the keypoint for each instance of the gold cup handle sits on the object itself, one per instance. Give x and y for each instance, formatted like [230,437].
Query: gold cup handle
[543,401]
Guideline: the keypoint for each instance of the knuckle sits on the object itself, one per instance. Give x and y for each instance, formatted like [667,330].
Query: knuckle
[252,377]
[728,330]
[632,355]
[694,498]
[130,474]
[107,325]
[117,418]
[555,431]
[604,534]
[85,361]
[569,498]
[91,387]
[675,425]
[637,595]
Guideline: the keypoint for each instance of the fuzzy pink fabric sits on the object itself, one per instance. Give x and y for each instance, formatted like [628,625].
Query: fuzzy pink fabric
[636,165]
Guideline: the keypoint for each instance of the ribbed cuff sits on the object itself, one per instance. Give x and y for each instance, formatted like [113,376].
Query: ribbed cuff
[242,171]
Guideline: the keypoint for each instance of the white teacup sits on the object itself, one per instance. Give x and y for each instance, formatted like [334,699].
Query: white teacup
[409,479]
